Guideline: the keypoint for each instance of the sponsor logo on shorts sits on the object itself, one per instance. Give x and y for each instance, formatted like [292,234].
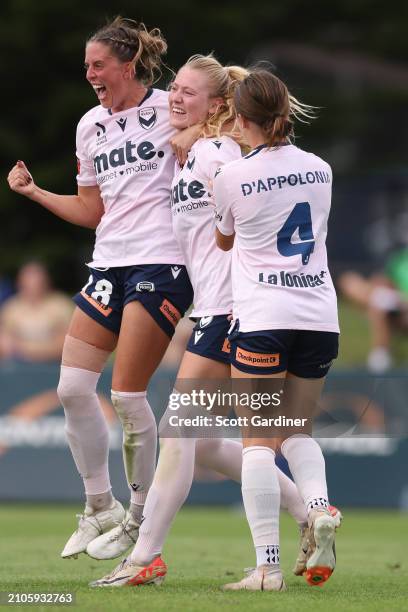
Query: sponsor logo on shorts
[197,336]
[204,321]
[326,365]
[170,312]
[144,286]
[175,270]
[105,310]
[261,360]
[226,347]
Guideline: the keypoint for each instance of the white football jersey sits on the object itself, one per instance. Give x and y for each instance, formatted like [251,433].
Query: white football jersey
[278,202]
[192,203]
[128,155]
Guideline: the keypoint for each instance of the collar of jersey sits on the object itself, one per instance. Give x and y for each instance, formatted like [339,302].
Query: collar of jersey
[263,146]
[256,150]
[142,101]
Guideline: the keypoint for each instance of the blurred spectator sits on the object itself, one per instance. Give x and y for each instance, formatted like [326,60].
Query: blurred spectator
[33,323]
[384,297]
[6,289]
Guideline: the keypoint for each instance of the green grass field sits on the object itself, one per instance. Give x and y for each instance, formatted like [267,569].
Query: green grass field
[206,548]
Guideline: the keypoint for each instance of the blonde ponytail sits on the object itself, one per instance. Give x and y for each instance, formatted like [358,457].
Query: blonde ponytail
[223,82]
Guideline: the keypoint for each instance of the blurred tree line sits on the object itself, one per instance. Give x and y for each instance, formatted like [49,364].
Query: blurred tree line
[348,57]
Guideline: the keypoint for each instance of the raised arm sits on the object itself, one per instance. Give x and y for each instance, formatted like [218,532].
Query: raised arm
[84,209]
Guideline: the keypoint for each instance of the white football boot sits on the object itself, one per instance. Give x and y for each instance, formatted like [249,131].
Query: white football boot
[304,548]
[307,546]
[321,563]
[261,578]
[128,573]
[91,524]
[116,542]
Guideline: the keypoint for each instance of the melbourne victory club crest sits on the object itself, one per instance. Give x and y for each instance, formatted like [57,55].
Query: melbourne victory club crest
[147,117]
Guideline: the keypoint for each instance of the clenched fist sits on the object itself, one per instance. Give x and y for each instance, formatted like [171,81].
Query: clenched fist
[20,180]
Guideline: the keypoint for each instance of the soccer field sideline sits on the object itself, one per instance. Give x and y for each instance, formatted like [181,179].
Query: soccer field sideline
[206,548]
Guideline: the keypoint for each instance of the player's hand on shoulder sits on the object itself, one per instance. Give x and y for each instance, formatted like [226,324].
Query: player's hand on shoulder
[20,180]
[182,142]
[180,147]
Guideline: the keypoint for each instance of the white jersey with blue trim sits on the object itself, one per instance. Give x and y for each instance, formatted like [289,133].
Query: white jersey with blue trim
[128,155]
[194,226]
[277,201]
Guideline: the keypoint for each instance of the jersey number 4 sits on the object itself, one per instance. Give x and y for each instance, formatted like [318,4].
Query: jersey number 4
[299,219]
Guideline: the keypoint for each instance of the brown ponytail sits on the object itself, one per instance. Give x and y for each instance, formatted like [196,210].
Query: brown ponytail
[131,42]
[265,100]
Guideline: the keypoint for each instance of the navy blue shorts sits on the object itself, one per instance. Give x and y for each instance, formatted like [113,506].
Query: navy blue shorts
[209,338]
[164,290]
[307,354]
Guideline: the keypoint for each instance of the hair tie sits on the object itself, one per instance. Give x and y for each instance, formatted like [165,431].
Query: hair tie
[121,41]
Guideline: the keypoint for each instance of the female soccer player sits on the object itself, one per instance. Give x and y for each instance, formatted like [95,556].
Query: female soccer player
[138,287]
[275,202]
[202,92]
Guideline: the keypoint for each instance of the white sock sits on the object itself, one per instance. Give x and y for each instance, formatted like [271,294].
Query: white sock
[291,499]
[306,462]
[85,427]
[379,360]
[136,511]
[99,502]
[221,455]
[225,457]
[261,495]
[267,555]
[139,441]
[385,299]
[171,485]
